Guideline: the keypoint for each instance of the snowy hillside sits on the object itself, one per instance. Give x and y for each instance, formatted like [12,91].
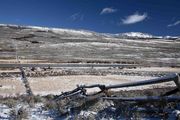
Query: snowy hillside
[67,45]
[86,33]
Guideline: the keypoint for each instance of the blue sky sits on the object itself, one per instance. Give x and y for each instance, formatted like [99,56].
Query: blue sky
[158,17]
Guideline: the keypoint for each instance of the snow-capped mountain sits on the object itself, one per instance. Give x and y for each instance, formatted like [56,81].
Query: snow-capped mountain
[86,33]
[171,37]
[136,35]
[133,35]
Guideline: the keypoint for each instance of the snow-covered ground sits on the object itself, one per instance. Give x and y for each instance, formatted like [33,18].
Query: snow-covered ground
[33,113]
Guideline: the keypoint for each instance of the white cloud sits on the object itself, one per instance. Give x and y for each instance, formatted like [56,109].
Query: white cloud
[77,16]
[108,10]
[174,24]
[131,19]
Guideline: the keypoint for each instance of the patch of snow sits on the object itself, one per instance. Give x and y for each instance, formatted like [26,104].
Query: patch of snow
[136,34]
[87,113]
[7,25]
[171,37]
[35,113]
[63,31]
[4,111]
[131,35]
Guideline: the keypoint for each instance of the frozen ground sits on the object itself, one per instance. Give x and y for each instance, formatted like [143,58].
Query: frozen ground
[35,113]
[47,108]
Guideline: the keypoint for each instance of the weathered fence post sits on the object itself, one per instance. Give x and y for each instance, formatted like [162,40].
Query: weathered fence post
[26,82]
[177,81]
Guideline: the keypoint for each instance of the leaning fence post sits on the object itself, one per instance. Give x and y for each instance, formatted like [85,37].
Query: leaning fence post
[177,81]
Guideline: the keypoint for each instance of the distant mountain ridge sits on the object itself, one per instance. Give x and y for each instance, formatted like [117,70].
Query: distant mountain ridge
[86,33]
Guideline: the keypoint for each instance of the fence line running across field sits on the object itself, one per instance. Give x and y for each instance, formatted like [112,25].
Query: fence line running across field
[81,90]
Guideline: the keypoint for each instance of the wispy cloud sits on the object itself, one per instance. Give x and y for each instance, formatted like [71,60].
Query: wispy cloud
[174,24]
[77,16]
[107,10]
[135,18]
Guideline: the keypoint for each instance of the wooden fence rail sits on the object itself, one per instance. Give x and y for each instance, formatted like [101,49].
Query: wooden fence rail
[81,90]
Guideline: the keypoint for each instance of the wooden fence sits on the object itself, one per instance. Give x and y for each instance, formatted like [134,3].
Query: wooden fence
[81,90]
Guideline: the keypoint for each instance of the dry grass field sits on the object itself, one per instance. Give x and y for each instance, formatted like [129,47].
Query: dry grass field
[11,87]
[57,84]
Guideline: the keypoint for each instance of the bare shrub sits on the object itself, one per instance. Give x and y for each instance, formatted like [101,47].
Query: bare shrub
[49,105]
[37,99]
[29,100]
[49,97]
[10,102]
[20,114]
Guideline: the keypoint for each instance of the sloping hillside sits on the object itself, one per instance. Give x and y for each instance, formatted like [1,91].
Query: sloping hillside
[64,45]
